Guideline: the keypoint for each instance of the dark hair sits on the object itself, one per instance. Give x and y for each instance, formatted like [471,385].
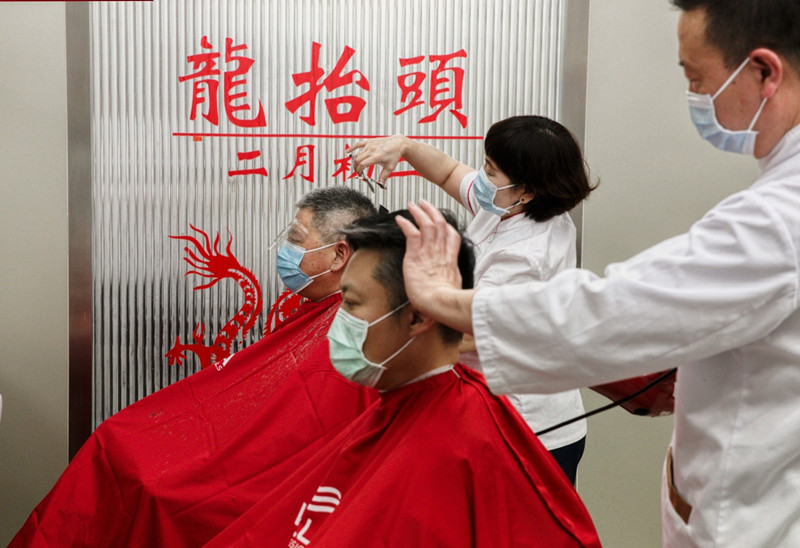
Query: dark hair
[382,233]
[737,27]
[541,155]
[335,207]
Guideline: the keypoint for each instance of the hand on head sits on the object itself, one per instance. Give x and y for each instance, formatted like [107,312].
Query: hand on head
[430,266]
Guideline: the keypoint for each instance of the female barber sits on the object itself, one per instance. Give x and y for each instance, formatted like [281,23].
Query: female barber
[533,174]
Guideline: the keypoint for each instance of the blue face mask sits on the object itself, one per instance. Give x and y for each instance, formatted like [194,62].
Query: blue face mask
[288,265]
[346,337]
[485,192]
[704,118]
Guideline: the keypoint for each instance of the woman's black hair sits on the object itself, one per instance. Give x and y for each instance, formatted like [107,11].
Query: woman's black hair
[541,155]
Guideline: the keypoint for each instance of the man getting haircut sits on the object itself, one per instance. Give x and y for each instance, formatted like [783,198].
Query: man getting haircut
[176,467]
[437,460]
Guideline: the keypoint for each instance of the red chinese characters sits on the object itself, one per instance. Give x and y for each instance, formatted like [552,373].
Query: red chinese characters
[340,109]
[445,87]
[429,85]
[205,86]
[304,158]
[344,169]
[247,156]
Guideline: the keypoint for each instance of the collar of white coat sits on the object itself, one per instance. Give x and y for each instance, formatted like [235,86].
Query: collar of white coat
[786,149]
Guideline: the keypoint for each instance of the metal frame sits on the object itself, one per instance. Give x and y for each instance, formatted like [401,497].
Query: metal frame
[79,150]
[576,50]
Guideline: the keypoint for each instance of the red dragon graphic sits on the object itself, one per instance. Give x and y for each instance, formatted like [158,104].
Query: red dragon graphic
[209,262]
[284,306]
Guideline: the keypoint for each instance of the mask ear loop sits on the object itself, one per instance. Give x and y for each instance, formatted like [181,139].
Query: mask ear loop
[736,72]
[315,276]
[515,204]
[390,358]
[758,114]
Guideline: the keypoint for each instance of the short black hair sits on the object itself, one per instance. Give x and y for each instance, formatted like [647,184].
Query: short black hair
[382,233]
[541,155]
[737,27]
[333,208]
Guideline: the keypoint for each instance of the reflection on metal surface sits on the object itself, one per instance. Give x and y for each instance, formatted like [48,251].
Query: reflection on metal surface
[80,225]
[221,114]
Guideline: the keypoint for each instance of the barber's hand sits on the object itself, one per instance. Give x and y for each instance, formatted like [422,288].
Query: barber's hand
[430,268]
[654,402]
[385,152]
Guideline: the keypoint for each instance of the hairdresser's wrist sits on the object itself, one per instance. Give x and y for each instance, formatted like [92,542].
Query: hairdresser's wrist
[450,306]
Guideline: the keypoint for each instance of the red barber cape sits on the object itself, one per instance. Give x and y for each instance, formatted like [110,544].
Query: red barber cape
[176,467]
[441,462]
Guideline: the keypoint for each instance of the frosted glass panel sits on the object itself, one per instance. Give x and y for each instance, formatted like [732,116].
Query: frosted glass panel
[211,118]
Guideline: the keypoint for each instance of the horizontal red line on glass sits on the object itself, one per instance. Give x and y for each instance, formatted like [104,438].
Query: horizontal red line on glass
[324,136]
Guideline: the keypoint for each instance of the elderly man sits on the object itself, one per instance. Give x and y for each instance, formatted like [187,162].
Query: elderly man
[438,461]
[721,300]
[176,467]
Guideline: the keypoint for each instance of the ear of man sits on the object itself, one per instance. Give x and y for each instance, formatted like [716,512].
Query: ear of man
[342,255]
[418,322]
[771,66]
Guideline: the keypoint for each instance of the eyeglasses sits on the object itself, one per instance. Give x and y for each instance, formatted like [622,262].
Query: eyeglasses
[294,232]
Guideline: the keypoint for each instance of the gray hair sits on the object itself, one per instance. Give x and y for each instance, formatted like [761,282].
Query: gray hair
[334,208]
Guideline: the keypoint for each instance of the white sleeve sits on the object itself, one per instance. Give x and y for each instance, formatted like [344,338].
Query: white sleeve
[510,266]
[467,194]
[729,281]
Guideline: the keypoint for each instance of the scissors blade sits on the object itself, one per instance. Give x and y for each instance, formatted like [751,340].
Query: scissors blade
[370,182]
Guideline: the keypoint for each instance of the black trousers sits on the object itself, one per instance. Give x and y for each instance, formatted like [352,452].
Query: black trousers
[569,456]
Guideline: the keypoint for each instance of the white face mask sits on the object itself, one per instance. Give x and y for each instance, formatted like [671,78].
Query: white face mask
[346,337]
[288,266]
[485,192]
[704,117]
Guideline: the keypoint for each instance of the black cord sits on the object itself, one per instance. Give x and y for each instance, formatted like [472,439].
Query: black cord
[611,405]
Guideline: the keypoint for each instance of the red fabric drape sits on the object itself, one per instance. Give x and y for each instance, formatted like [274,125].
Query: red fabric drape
[441,462]
[178,466]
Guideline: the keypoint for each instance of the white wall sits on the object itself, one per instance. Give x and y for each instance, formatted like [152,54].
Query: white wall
[33,256]
[656,178]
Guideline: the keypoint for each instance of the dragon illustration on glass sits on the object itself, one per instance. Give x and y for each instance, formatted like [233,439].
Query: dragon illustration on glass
[209,262]
[284,306]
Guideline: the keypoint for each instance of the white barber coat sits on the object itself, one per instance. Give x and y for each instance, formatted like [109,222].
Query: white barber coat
[518,250]
[721,301]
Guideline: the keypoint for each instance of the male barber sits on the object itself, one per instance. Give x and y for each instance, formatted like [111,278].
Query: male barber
[720,300]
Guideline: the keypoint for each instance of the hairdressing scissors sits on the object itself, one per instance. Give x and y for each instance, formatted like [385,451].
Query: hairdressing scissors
[370,182]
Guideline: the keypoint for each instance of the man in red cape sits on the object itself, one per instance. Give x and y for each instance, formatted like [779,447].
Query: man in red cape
[437,461]
[176,467]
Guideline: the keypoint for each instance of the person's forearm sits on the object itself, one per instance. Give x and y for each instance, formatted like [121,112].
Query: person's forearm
[452,307]
[432,163]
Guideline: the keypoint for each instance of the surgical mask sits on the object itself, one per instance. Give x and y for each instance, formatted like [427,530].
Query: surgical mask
[346,337]
[288,265]
[704,117]
[485,192]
